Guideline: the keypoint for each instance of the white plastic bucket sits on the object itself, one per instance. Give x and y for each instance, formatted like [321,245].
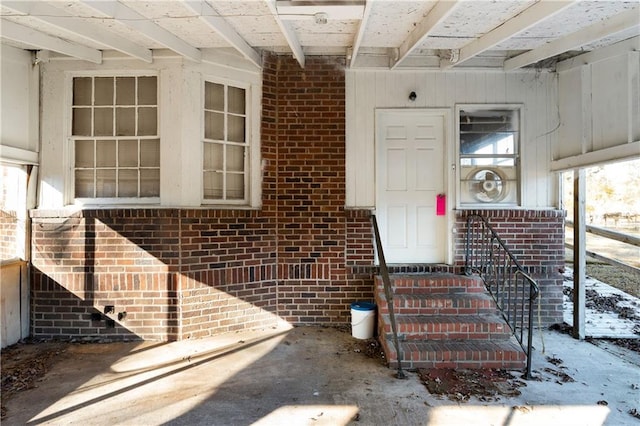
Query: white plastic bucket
[363,318]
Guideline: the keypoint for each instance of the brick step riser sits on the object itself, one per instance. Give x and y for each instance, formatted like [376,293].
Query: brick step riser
[471,359]
[442,306]
[408,332]
[451,285]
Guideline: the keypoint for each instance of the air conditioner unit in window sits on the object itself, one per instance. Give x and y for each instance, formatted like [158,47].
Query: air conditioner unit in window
[488,185]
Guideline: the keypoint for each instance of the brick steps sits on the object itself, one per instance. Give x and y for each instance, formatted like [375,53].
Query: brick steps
[442,304]
[457,354]
[445,321]
[447,327]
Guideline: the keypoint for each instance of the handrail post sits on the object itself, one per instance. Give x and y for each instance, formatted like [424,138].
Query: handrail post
[384,271]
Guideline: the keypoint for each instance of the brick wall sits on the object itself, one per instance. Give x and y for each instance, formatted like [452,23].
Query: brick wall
[315,282]
[187,273]
[536,238]
[8,234]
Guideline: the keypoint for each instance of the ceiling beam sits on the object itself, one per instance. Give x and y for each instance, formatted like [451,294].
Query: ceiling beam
[146,26]
[32,37]
[615,24]
[360,35]
[289,34]
[61,19]
[523,21]
[437,14]
[617,49]
[224,30]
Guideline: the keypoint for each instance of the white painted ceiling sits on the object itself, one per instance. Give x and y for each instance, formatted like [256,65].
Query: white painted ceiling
[397,34]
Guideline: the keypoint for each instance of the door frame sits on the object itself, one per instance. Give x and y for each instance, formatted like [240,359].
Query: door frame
[450,169]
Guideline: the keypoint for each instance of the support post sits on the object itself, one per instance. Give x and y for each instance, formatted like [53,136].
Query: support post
[579,253]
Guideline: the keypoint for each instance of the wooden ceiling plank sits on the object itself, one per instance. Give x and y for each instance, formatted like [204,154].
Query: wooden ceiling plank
[615,24]
[226,31]
[147,27]
[289,34]
[436,15]
[32,37]
[59,18]
[526,19]
[361,30]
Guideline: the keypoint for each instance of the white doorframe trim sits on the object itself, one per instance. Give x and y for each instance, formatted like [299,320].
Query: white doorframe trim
[450,175]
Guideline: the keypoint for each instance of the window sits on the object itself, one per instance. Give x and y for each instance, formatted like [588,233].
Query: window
[488,154]
[225,144]
[114,134]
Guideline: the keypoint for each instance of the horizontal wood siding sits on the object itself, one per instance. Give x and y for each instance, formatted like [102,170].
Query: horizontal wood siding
[368,90]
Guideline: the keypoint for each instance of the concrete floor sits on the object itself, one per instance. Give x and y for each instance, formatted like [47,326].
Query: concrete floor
[310,376]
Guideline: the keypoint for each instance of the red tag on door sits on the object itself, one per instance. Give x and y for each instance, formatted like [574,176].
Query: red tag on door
[441,204]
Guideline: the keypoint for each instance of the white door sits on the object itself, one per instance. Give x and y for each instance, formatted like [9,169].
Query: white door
[410,175]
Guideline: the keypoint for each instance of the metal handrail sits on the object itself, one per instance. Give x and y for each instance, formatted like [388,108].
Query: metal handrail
[388,293]
[513,290]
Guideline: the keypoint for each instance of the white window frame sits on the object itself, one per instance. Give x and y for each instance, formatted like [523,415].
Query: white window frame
[518,158]
[249,159]
[70,141]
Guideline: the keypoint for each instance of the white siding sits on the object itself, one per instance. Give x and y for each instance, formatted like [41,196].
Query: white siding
[600,112]
[19,109]
[368,90]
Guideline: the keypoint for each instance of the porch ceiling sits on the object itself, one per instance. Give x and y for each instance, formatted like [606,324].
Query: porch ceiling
[396,34]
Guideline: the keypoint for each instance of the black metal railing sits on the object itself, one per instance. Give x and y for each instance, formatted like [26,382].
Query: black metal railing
[513,290]
[388,293]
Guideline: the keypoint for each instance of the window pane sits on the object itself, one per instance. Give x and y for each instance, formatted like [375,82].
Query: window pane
[236,100]
[213,96]
[150,153]
[104,91]
[149,183]
[128,153]
[214,126]
[235,186]
[147,91]
[147,121]
[236,128]
[84,183]
[487,143]
[213,156]
[125,91]
[81,122]
[127,183]
[84,154]
[105,153]
[82,90]
[235,158]
[212,185]
[105,183]
[103,122]
[125,121]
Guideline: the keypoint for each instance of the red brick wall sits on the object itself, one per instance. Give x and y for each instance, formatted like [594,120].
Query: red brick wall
[197,272]
[314,282]
[536,238]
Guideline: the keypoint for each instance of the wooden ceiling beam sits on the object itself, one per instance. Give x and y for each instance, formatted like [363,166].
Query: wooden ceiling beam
[436,15]
[57,17]
[224,30]
[146,26]
[523,21]
[30,36]
[593,32]
[288,33]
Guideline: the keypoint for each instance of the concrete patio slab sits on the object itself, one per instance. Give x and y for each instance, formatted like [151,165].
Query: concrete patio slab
[310,376]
